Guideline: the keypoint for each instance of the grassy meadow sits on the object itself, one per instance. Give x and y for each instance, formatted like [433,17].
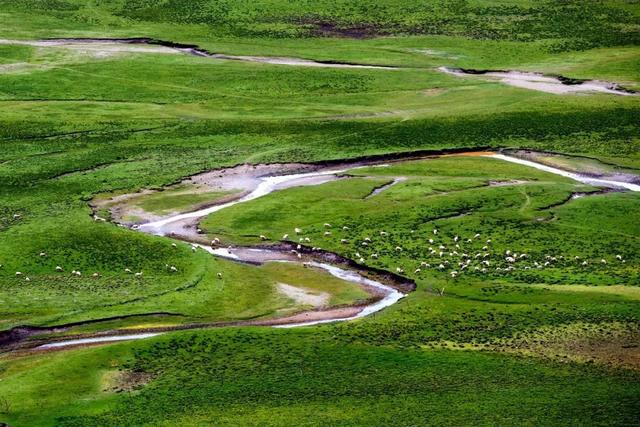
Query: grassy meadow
[553,344]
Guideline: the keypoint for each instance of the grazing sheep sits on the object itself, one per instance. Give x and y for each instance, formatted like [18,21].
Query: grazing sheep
[455,238]
[126,270]
[441,267]
[374,256]
[16,216]
[327,233]
[585,263]
[297,230]
[345,228]
[384,233]
[285,237]
[431,241]
[619,257]
[327,225]
[476,235]
[263,237]
[417,270]
[344,241]
[365,244]
[454,273]
[78,273]
[173,269]
[306,239]
[26,279]
[58,268]
[219,275]
[18,273]
[95,275]
[603,261]
[398,249]
[43,254]
[215,241]
[399,270]
[367,239]
[435,232]
[138,274]
[174,245]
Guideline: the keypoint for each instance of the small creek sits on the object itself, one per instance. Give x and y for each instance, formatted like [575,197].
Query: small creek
[107,47]
[269,184]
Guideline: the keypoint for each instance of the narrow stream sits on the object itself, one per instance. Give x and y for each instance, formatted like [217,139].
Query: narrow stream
[270,184]
[576,177]
[106,47]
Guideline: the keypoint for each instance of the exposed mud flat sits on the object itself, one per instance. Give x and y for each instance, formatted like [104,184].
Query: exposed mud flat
[558,85]
[304,296]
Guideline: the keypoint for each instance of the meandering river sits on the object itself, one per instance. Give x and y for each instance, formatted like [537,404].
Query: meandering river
[268,185]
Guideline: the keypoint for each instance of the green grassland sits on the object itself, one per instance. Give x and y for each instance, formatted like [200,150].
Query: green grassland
[544,346]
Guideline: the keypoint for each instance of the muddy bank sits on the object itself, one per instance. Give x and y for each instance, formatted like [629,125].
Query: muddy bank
[558,85]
